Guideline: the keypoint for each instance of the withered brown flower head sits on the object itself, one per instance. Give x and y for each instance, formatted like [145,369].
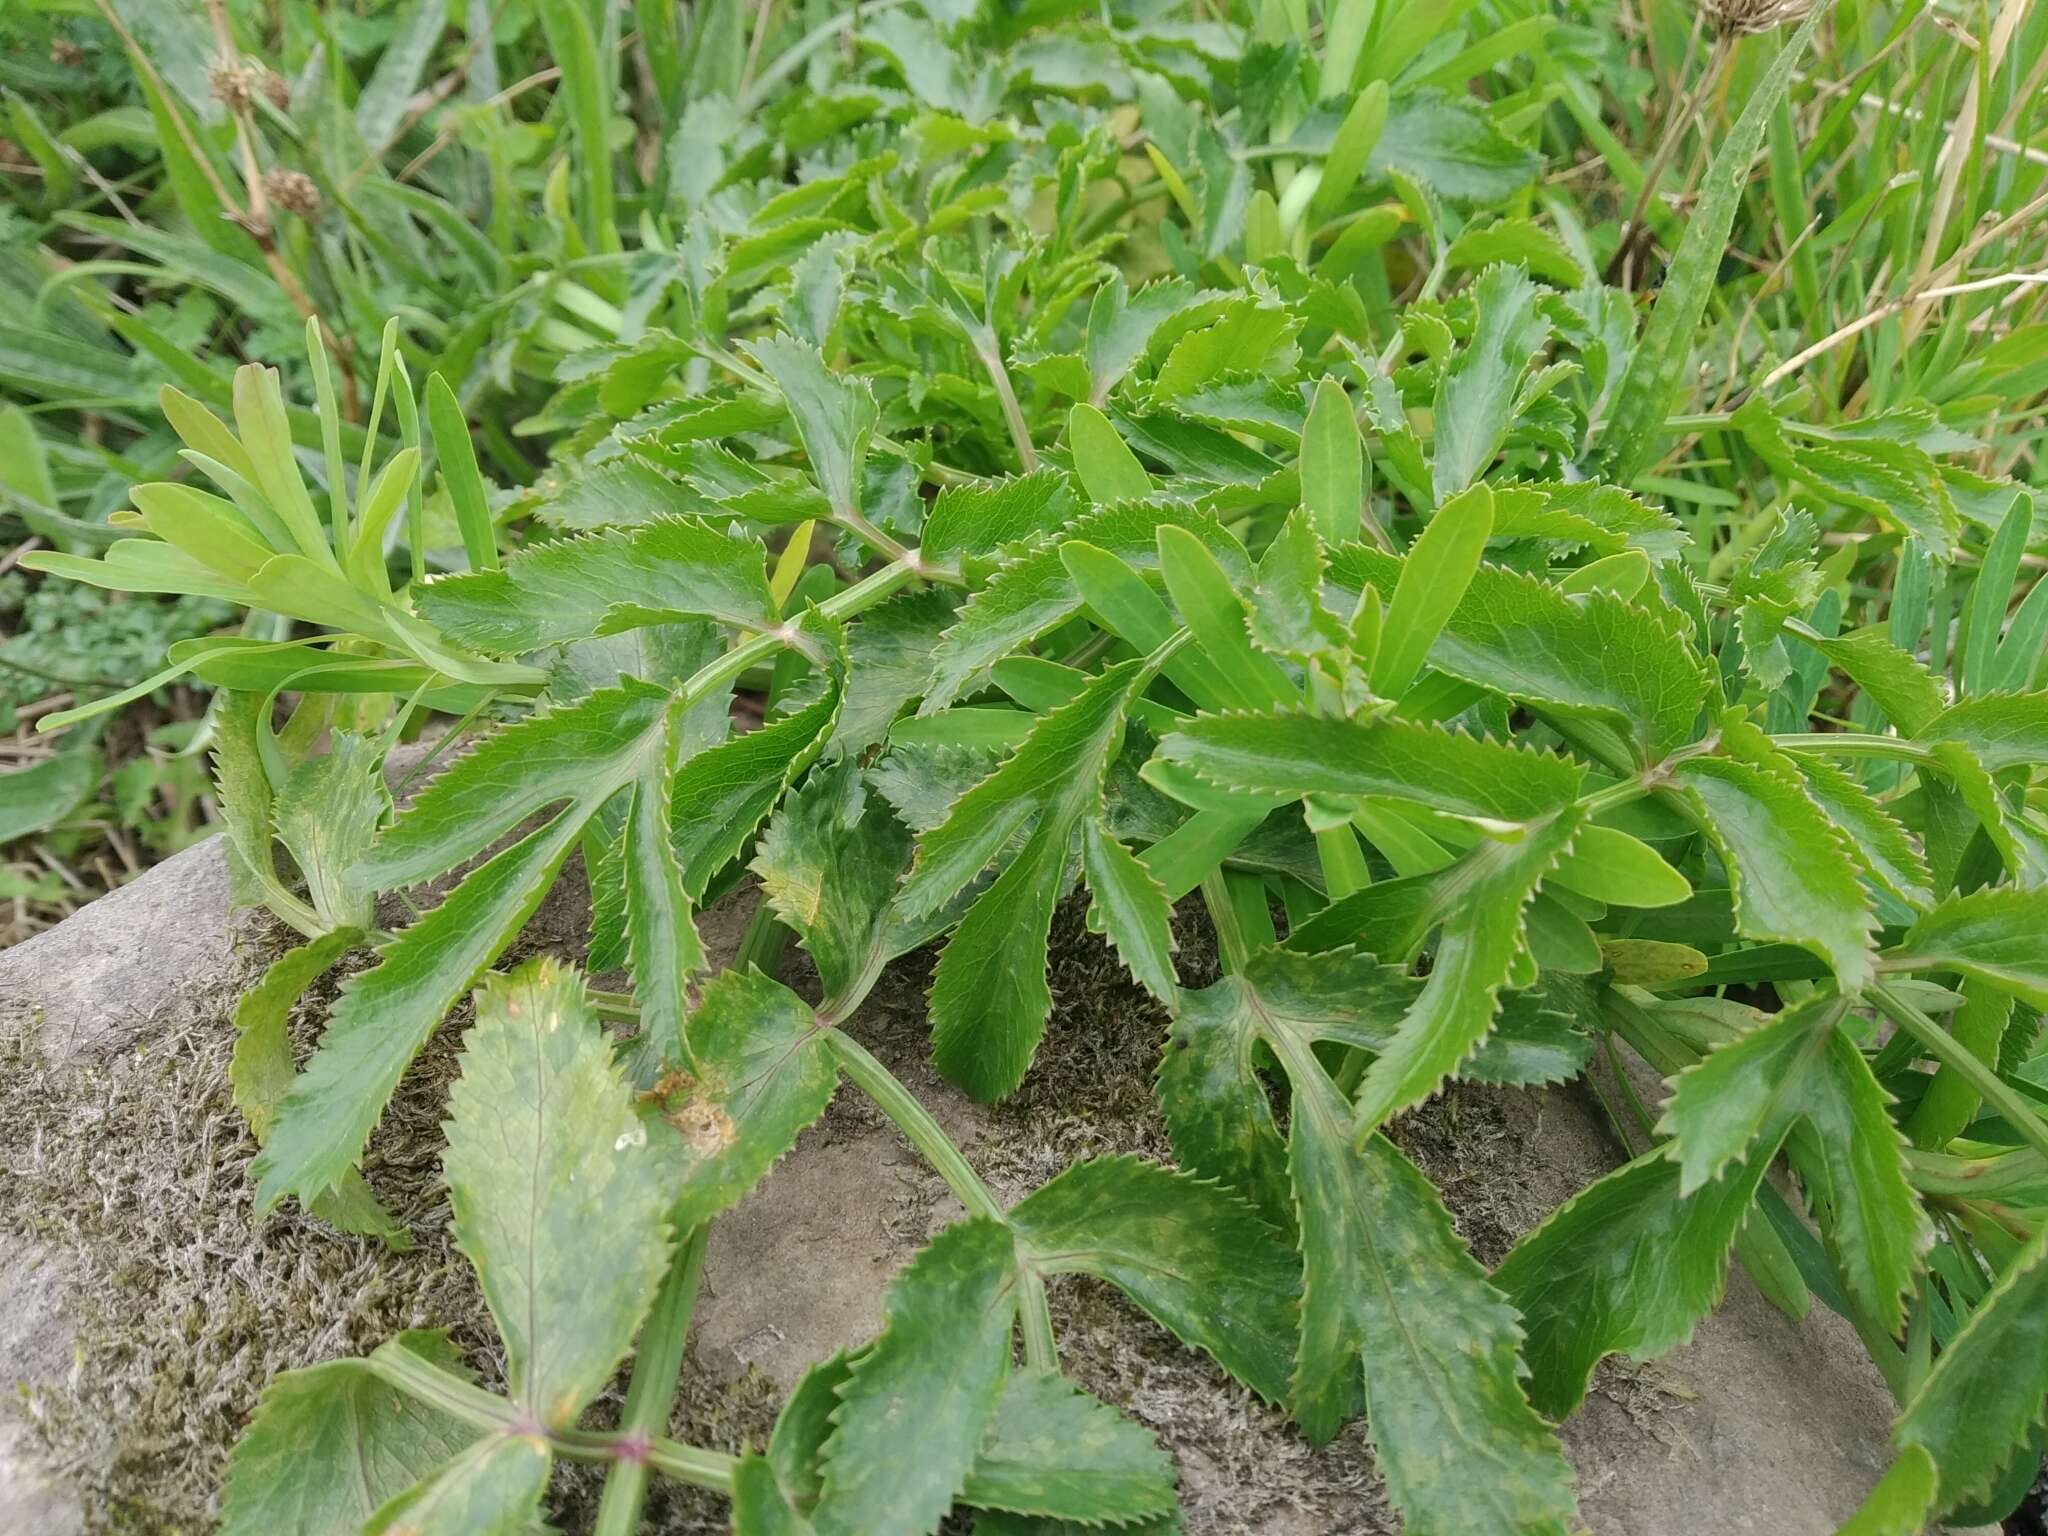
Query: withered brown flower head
[293,191]
[232,83]
[1755,15]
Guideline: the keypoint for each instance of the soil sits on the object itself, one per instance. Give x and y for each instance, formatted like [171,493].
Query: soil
[142,1307]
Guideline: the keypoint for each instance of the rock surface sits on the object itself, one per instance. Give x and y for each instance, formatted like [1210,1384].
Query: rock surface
[1760,1424]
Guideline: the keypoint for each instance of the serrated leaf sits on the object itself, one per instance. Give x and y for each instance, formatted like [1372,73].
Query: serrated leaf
[557,1195]
[1475,395]
[331,1444]
[2002,730]
[657,572]
[1627,1264]
[835,416]
[989,997]
[1216,1107]
[829,865]
[1131,908]
[1854,1168]
[1034,591]
[491,1489]
[1285,613]
[1197,1259]
[326,814]
[583,754]
[261,1072]
[976,521]
[1792,880]
[1387,1283]
[1482,943]
[888,661]
[1055,1452]
[1293,752]
[1908,694]
[1877,842]
[914,1412]
[1997,935]
[1754,1084]
[662,947]
[385,1015]
[760,1507]
[722,794]
[1901,1503]
[758,1074]
[1986,1392]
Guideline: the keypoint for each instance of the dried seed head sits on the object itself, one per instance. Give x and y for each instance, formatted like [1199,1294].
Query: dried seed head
[292,191]
[232,82]
[277,89]
[64,52]
[1754,15]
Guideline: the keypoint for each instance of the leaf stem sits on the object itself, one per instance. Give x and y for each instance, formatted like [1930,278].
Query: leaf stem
[651,1394]
[1855,744]
[428,1383]
[1952,1053]
[1013,414]
[938,1149]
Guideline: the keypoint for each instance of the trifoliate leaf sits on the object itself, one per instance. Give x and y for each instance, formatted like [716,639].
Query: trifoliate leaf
[1056,1452]
[605,583]
[1388,1283]
[914,1413]
[557,1195]
[758,1073]
[1195,1257]
[331,1444]
[1792,880]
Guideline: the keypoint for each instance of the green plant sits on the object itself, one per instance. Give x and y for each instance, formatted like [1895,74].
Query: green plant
[1321,580]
